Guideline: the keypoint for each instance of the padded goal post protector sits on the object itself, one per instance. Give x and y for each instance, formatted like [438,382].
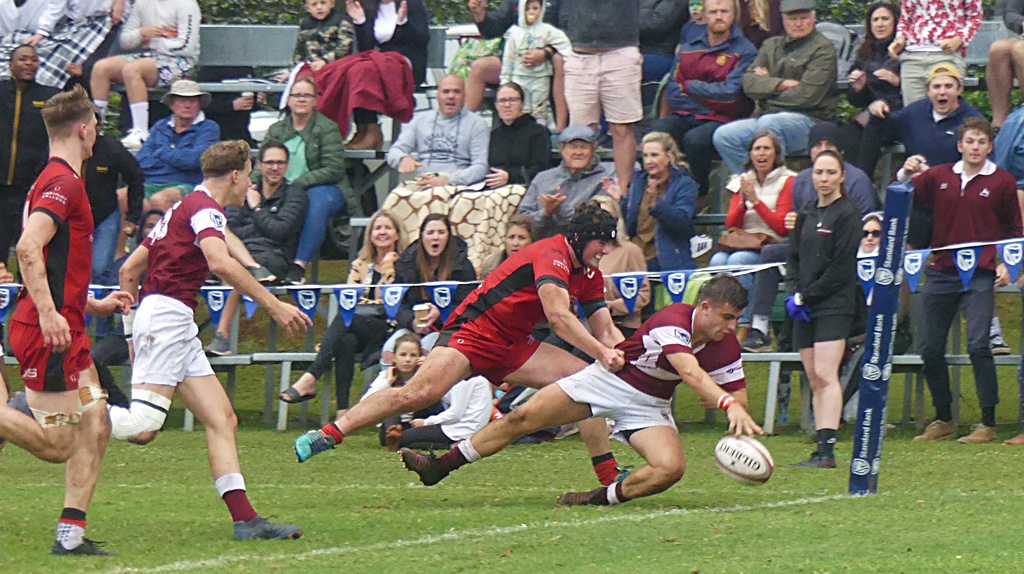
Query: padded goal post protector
[876,368]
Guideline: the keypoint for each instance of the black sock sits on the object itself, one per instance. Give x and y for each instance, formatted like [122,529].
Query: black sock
[945,413]
[596,460]
[827,442]
[988,416]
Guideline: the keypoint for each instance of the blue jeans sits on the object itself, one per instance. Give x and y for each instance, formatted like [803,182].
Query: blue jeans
[104,243]
[732,140]
[656,66]
[747,280]
[324,202]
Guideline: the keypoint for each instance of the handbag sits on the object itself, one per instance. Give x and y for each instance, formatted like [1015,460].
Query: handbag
[736,239]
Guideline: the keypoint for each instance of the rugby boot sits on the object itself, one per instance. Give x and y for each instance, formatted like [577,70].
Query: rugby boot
[312,443]
[423,465]
[597,497]
[817,460]
[261,528]
[624,472]
[86,548]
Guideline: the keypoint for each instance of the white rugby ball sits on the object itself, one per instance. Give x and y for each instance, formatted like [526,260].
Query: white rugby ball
[744,459]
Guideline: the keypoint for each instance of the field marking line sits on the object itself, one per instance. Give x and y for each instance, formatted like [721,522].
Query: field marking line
[490,532]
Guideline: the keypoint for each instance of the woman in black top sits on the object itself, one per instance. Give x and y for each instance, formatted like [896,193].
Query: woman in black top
[520,148]
[822,280]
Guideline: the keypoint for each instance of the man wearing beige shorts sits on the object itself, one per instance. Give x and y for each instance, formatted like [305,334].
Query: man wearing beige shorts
[604,71]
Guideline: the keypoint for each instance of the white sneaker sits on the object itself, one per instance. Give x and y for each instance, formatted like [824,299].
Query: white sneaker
[133,141]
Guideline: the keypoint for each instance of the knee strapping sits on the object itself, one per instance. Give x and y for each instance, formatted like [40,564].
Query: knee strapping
[50,420]
[147,414]
[88,396]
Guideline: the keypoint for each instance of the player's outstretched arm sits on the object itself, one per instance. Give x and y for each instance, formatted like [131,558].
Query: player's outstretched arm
[697,379]
[603,327]
[132,269]
[112,303]
[39,230]
[558,310]
[224,266]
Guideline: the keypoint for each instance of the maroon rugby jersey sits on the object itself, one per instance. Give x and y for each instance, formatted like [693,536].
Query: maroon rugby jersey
[177,266]
[60,194]
[506,305]
[668,331]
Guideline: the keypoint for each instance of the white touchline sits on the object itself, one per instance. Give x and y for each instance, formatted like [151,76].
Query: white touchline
[461,534]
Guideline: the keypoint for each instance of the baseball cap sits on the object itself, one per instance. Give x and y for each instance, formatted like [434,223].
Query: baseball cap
[577,132]
[796,5]
[944,70]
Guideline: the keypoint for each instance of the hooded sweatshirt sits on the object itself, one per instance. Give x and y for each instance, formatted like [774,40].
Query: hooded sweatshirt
[526,36]
[576,187]
[456,147]
[182,15]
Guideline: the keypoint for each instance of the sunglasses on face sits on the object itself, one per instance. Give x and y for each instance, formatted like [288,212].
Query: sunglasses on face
[876,233]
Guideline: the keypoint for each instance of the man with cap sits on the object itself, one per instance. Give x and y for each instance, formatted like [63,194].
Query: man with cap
[792,81]
[489,334]
[859,189]
[170,156]
[554,194]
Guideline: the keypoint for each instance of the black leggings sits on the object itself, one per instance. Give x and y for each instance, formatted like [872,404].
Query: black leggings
[340,344]
[423,413]
[425,437]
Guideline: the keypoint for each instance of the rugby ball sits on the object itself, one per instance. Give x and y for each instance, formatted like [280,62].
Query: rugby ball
[744,459]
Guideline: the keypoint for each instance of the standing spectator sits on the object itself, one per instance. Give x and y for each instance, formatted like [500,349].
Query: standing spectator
[793,82]
[660,24]
[929,33]
[316,164]
[164,35]
[660,206]
[519,233]
[760,20]
[973,200]
[530,34]
[822,281]
[623,256]
[170,155]
[706,88]
[1006,63]
[603,74]
[23,150]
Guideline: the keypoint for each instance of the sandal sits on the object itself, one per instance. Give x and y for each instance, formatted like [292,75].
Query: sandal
[292,396]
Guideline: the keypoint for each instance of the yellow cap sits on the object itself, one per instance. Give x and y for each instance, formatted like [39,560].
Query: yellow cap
[944,70]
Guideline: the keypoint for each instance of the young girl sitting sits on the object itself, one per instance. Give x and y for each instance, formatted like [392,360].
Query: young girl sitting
[408,356]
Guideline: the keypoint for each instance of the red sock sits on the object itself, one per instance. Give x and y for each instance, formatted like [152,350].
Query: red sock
[607,471]
[239,506]
[332,430]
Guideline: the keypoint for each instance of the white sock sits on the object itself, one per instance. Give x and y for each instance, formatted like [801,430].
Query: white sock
[140,116]
[229,482]
[468,451]
[760,322]
[101,107]
[70,535]
[994,328]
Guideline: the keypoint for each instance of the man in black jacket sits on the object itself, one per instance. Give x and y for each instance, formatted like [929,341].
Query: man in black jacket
[264,233]
[23,146]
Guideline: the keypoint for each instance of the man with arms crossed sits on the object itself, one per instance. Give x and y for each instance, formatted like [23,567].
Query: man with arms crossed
[48,326]
[177,256]
[692,344]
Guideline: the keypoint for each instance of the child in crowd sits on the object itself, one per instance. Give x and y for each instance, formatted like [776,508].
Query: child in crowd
[534,76]
[325,35]
[408,357]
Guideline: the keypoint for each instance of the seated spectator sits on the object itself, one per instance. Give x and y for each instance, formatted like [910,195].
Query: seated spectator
[519,233]
[170,155]
[660,206]
[231,110]
[660,23]
[760,20]
[24,149]
[530,34]
[261,234]
[163,37]
[466,408]
[874,76]
[451,144]
[381,78]
[316,164]
[929,34]
[1005,63]
[623,256]
[554,194]
[710,65]
[325,35]
[859,189]
[761,198]
[370,326]
[793,82]
[19,17]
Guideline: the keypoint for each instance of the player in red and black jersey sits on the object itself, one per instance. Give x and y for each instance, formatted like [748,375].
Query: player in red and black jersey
[489,334]
[681,343]
[48,327]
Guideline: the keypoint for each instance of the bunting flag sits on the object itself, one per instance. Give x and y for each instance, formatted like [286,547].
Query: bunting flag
[307,300]
[348,300]
[250,306]
[967,262]
[7,295]
[866,272]
[1012,253]
[629,285]
[675,284]
[913,264]
[215,298]
[442,294]
[393,295]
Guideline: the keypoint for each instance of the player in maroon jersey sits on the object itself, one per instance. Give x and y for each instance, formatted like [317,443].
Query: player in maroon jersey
[177,256]
[692,344]
[48,326]
[489,334]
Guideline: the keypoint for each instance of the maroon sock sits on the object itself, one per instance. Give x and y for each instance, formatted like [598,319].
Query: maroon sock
[332,430]
[239,506]
[607,470]
[451,460]
[618,494]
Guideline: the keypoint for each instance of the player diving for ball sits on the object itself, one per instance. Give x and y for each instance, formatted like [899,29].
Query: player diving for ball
[177,256]
[692,344]
[489,334]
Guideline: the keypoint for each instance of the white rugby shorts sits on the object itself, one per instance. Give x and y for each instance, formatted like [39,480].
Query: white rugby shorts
[167,348]
[612,398]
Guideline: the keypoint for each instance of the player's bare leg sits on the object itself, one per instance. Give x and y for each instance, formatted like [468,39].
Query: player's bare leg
[442,368]
[205,397]
[549,407]
[54,444]
[666,462]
